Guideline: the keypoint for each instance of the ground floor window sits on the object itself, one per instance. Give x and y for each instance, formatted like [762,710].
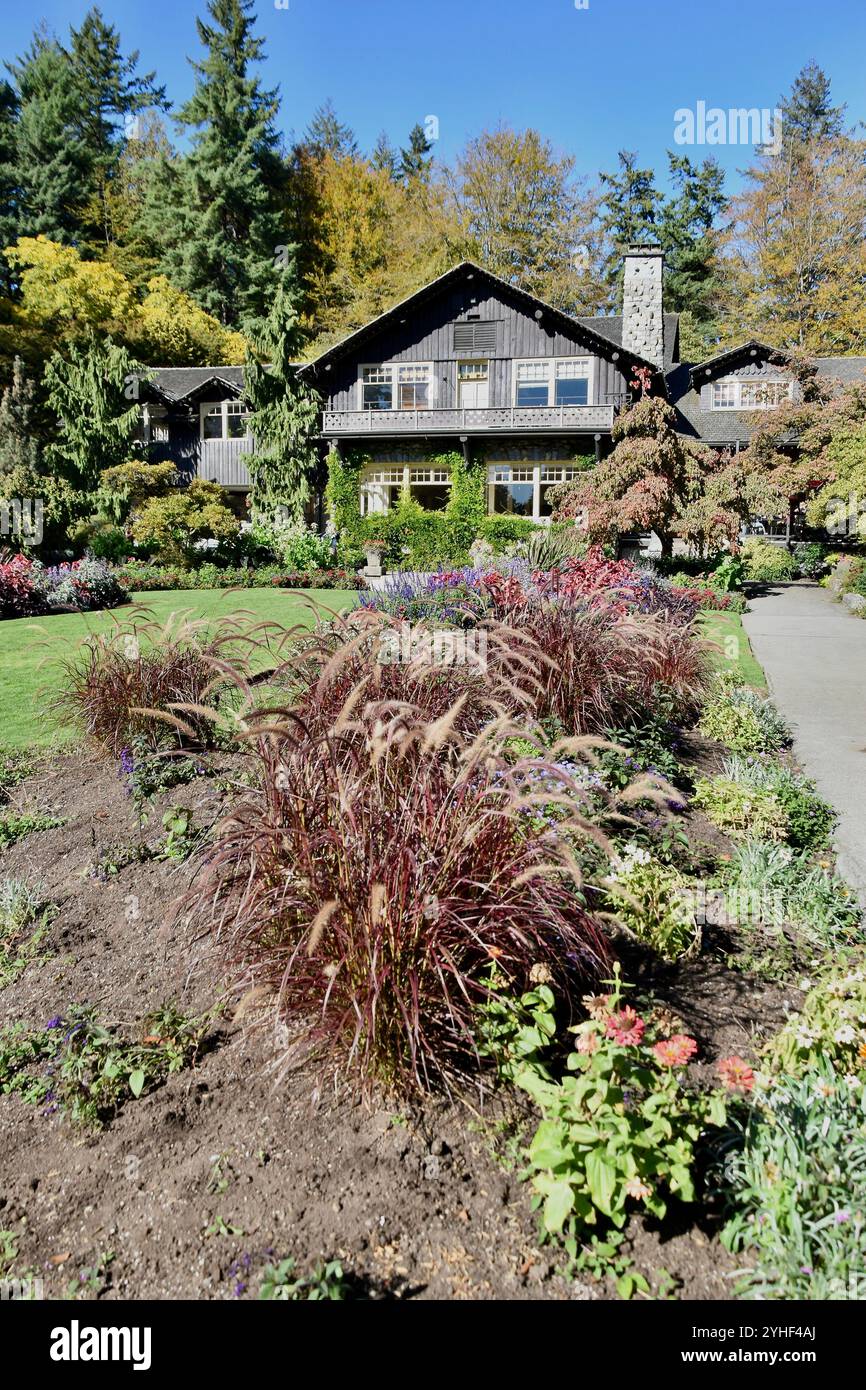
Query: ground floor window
[381,487]
[521,489]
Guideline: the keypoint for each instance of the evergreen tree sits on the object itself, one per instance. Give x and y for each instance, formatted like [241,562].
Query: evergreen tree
[687,231]
[93,394]
[630,211]
[19,446]
[53,166]
[808,112]
[415,161]
[326,134]
[112,96]
[9,191]
[284,410]
[384,157]
[214,213]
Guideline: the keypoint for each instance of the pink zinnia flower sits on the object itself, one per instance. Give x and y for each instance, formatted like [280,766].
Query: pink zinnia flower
[635,1188]
[675,1051]
[625,1028]
[736,1074]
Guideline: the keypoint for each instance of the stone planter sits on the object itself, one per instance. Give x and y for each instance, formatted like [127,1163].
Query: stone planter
[373,567]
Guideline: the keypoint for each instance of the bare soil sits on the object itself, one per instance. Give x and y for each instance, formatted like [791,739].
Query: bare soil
[424,1203]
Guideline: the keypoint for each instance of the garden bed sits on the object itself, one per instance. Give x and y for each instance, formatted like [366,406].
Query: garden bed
[414,1202]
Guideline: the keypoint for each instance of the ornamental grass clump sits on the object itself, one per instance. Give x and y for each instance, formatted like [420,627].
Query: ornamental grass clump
[367,657]
[161,684]
[374,877]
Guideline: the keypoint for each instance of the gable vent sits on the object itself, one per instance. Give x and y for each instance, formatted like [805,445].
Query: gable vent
[475,337]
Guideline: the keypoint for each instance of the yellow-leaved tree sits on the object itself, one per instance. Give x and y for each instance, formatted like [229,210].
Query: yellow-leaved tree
[63,297]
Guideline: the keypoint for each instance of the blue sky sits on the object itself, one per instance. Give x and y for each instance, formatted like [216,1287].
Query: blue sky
[594,81]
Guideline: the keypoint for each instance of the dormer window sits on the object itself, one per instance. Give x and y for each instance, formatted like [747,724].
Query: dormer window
[734,393]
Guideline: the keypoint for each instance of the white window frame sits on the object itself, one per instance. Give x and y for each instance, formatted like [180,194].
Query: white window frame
[376,477]
[209,408]
[733,385]
[394,368]
[501,472]
[550,376]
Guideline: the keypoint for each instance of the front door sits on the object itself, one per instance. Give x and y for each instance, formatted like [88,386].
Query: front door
[473,385]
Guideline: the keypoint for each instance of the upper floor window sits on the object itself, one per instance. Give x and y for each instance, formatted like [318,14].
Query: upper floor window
[750,394]
[224,420]
[396,386]
[557,381]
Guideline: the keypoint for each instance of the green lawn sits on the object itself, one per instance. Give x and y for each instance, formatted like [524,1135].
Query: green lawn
[732,649]
[31,649]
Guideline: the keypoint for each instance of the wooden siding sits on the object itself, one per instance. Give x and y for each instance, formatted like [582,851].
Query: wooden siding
[426,335]
[214,460]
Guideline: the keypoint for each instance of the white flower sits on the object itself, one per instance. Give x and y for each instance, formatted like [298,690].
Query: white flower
[852,1081]
[845,1034]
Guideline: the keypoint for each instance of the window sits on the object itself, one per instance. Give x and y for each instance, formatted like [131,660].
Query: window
[377,392]
[512,490]
[560,381]
[381,487]
[533,384]
[414,384]
[397,386]
[750,394]
[572,383]
[224,420]
[521,489]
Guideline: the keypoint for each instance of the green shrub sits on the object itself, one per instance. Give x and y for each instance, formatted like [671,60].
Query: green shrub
[744,722]
[811,559]
[830,1027]
[650,899]
[620,1130]
[172,525]
[766,563]
[781,888]
[810,818]
[298,548]
[741,810]
[503,532]
[794,1178]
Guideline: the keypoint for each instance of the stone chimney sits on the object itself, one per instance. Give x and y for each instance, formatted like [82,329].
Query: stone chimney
[643,324]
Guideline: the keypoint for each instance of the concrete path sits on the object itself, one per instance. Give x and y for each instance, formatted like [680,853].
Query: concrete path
[814,654]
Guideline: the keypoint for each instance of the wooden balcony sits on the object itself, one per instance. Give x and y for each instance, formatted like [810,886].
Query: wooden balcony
[556,419]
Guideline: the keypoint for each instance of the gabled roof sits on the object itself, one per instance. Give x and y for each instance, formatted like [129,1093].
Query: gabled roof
[176,384]
[753,347]
[590,330]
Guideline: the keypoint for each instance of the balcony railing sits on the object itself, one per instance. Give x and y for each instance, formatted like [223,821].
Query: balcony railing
[472,420]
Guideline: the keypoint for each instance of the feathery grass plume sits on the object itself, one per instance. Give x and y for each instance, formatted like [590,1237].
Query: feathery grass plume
[166,681]
[370,882]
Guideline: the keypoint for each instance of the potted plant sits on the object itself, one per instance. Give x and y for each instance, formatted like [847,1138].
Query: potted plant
[374,550]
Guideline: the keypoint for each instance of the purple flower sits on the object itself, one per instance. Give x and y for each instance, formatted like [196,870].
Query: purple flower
[54,1022]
